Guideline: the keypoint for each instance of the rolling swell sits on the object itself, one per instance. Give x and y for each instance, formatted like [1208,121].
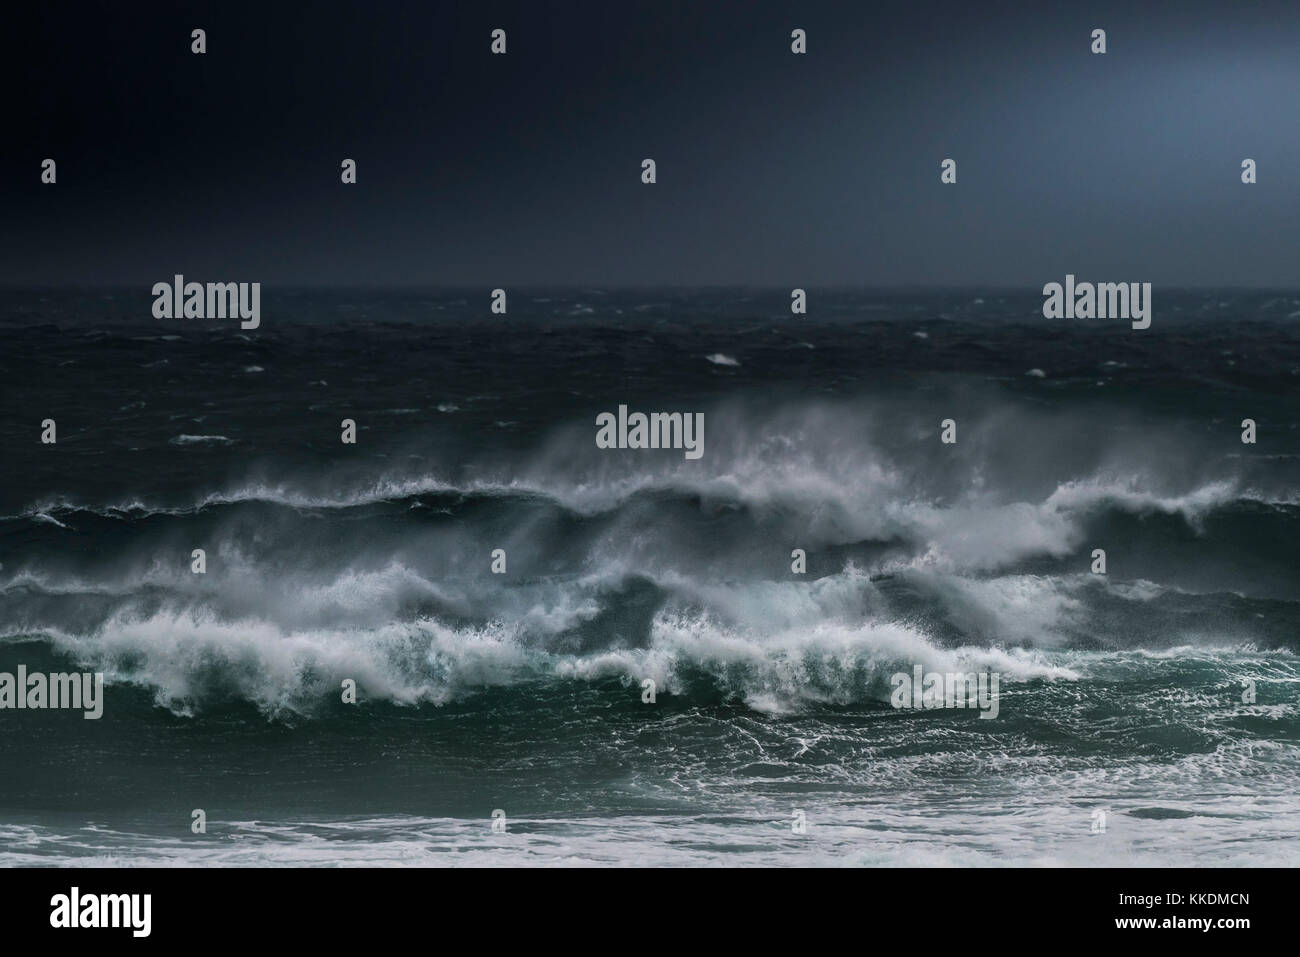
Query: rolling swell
[619,574]
[375,563]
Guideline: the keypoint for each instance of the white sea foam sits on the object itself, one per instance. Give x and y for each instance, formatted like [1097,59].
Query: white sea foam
[719,359]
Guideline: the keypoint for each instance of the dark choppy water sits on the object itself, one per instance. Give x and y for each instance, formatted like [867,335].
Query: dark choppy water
[522,691]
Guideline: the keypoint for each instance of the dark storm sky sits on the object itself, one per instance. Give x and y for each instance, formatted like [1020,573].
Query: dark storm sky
[773,168]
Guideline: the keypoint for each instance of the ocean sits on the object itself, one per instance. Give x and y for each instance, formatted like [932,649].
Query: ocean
[1147,715]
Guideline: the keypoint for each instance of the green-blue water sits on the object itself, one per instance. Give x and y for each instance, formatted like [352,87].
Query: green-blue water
[1123,697]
